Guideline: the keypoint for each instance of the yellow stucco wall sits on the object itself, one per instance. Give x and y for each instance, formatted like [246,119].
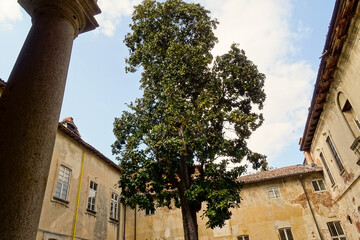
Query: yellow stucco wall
[259,216]
[58,217]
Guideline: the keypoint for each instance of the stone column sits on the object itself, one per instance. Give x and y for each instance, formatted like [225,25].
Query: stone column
[30,108]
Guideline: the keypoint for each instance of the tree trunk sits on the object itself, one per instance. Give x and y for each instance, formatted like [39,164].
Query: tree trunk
[189,219]
[188,211]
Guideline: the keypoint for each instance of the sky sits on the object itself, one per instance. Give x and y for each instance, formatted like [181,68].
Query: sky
[284,38]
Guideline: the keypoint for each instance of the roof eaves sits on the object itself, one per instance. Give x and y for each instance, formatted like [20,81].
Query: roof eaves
[88,146]
[2,83]
[338,29]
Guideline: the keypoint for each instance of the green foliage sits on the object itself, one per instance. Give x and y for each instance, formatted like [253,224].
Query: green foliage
[169,141]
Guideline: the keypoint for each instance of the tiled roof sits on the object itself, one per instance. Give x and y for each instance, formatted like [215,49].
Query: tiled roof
[280,173]
[78,139]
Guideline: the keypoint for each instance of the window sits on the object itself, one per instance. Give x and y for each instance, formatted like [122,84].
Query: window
[243,237]
[335,154]
[63,183]
[286,234]
[327,169]
[336,231]
[114,206]
[92,196]
[274,192]
[149,212]
[318,185]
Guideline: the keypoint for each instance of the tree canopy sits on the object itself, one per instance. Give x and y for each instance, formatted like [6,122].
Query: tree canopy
[176,142]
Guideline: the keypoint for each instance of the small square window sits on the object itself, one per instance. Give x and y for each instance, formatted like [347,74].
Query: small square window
[286,234]
[318,185]
[274,192]
[149,212]
[243,237]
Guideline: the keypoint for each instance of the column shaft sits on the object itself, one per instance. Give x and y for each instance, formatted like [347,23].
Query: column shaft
[29,113]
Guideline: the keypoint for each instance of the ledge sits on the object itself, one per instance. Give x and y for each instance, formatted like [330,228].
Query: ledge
[91,212]
[60,201]
[113,220]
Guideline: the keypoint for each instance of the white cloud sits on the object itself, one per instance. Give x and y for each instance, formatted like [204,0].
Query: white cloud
[9,13]
[261,27]
[285,109]
[112,13]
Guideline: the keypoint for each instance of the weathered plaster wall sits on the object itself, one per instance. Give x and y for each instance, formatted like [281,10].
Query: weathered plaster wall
[259,216]
[333,124]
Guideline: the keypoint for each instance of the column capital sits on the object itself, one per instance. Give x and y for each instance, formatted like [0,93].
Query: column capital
[79,12]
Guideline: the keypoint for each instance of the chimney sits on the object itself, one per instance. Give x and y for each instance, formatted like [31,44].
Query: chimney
[69,124]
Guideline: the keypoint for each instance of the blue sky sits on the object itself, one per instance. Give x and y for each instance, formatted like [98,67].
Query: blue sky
[285,38]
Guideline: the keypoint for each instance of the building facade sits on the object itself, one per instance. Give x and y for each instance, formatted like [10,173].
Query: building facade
[81,199]
[278,204]
[332,131]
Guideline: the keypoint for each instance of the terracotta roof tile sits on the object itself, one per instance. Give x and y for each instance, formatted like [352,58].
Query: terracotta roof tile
[280,173]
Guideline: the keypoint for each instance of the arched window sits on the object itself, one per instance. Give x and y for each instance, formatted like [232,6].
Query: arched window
[349,114]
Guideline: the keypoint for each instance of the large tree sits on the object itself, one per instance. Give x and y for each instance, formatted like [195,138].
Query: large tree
[176,142]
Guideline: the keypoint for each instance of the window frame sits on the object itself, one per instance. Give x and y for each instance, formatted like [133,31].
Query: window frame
[286,233]
[318,185]
[114,206]
[335,154]
[327,169]
[63,183]
[243,237]
[335,225]
[275,190]
[91,202]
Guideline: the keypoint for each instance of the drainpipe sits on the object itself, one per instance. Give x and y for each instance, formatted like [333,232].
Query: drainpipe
[312,211]
[78,195]
[135,223]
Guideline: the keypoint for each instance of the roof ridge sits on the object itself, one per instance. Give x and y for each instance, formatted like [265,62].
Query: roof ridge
[283,172]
